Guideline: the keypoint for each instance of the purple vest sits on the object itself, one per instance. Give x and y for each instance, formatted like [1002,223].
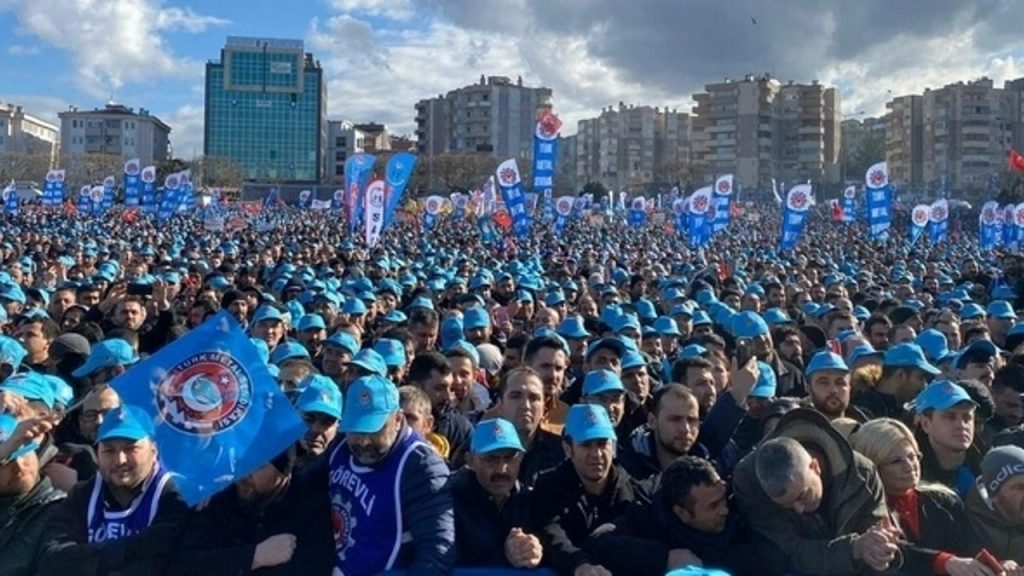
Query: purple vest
[105,524]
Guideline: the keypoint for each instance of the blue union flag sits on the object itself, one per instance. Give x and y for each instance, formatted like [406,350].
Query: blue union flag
[217,411]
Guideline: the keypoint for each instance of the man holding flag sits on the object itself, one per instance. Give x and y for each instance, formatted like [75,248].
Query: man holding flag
[127,518]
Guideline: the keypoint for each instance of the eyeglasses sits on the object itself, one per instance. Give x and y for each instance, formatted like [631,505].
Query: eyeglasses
[94,415]
[498,458]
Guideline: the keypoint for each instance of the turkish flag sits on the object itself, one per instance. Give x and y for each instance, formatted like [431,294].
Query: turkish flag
[1016,160]
[837,210]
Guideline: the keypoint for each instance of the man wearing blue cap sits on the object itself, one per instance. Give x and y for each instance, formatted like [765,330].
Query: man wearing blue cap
[271,519]
[423,325]
[380,457]
[1001,317]
[492,510]
[127,517]
[107,360]
[319,404]
[337,351]
[828,379]
[945,429]
[979,361]
[905,372]
[28,498]
[311,332]
[582,493]
[789,378]
[604,388]
[268,325]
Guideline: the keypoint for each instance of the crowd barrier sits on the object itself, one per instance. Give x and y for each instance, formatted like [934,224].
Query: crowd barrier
[486,572]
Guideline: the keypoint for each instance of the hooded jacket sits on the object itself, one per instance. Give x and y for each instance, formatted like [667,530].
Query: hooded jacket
[853,500]
[1004,539]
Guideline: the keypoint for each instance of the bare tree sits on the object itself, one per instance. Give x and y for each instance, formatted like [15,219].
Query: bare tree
[218,172]
[89,168]
[23,167]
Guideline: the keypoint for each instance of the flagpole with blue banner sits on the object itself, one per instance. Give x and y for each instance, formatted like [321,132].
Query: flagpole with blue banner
[10,196]
[48,187]
[397,174]
[850,204]
[545,154]
[132,168]
[988,232]
[918,222]
[938,227]
[109,183]
[798,201]
[169,200]
[879,200]
[700,208]
[148,177]
[357,175]
[722,199]
[515,198]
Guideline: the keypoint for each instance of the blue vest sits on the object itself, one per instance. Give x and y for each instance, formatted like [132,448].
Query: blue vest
[105,524]
[366,511]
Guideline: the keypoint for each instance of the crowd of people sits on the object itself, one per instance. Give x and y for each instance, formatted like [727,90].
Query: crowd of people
[606,401]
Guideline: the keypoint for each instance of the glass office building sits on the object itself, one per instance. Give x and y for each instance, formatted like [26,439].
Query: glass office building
[266,109]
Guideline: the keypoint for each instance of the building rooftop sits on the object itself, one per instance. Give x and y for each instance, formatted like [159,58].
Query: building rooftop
[115,109]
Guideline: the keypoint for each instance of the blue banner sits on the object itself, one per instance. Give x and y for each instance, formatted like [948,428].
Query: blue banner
[109,183]
[938,227]
[798,201]
[721,201]
[564,207]
[132,169]
[50,197]
[85,199]
[169,200]
[397,174]
[879,200]
[990,231]
[10,196]
[1009,231]
[488,233]
[681,209]
[638,212]
[545,151]
[432,210]
[58,188]
[459,203]
[515,198]
[850,204]
[187,202]
[918,222]
[217,411]
[305,199]
[148,189]
[700,214]
[357,175]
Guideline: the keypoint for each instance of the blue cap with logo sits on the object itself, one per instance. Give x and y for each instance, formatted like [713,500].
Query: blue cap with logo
[8,423]
[287,350]
[474,318]
[493,435]
[369,402]
[666,326]
[940,395]
[11,351]
[600,381]
[320,395]
[907,355]
[311,322]
[586,422]
[371,361]
[31,386]
[343,339]
[63,393]
[748,324]
[125,423]
[572,328]
[863,351]
[267,313]
[107,354]
[633,360]
[826,360]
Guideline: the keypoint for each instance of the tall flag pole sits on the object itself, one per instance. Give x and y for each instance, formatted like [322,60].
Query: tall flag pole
[879,199]
[132,168]
[545,153]
[798,201]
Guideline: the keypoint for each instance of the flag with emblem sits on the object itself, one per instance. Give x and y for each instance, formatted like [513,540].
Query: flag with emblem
[10,194]
[721,202]
[217,411]
[879,200]
[396,178]
[798,201]
[938,221]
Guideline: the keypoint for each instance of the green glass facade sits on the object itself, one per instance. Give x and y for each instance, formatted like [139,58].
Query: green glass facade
[266,110]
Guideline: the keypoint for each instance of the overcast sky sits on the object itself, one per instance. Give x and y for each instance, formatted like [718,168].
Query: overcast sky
[381,56]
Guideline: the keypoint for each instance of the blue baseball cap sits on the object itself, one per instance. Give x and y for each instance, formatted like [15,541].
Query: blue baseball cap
[766,382]
[666,326]
[692,351]
[287,350]
[396,317]
[586,422]
[343,339]
[475,317]
[10,291]
[600,381]
[939,395]
[612,343]
[572,328]
[862,351]
[372,361]
[933,343]
[392,351]
[701,318]
[826,360]
[971,311]
[626,322]
[979,351]
[8,423]
[907,355]
[554,298]
[63,393]
[31,386]
[107,354]
[861,313]
[354,307]
[633,360]
[493,435]
[267,313]
[1001,309]
[748,324]
[776,317]
[369,402]
[645,309]
[421,302]
[311,322]
[125,422]
[11,351]
[320,395]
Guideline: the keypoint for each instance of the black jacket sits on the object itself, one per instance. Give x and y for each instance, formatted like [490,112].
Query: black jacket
[638,543]
[222,538]
[789,379]
[544,453]
[68,551]
[451,424]
[565,515]
[481,527]
[944,528]
[23,522]
[874,404]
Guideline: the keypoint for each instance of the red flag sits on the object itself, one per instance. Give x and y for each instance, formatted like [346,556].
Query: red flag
[837,210]
[1016,160]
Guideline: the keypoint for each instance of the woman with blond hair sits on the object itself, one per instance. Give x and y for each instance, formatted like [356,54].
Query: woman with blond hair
[931,517]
